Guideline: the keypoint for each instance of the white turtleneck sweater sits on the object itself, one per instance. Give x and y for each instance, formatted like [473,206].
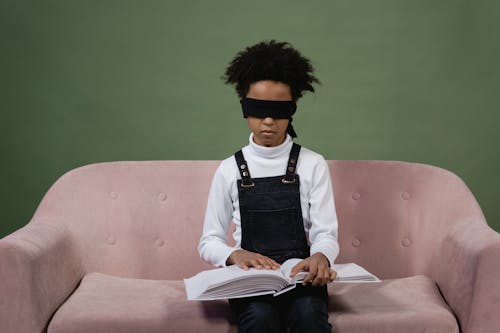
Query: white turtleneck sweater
[316,196]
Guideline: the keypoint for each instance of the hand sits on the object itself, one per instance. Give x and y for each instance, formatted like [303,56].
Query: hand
[246,259]
[319,271]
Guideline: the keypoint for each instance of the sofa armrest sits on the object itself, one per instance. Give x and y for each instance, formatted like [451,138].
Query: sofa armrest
[39,269]
[467,270]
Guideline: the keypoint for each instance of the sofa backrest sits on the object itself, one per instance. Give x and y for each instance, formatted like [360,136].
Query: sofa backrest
[393,216]
[144,218]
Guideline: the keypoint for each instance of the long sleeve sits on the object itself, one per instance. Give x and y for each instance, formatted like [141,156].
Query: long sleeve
[213,247]
[323,233]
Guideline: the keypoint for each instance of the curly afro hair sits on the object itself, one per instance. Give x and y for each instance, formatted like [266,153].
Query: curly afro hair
[271,60]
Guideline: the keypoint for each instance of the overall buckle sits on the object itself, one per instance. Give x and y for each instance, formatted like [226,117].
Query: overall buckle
[286,181]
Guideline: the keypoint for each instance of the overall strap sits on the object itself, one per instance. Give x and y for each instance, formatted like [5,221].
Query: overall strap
[246,180]
[292,164]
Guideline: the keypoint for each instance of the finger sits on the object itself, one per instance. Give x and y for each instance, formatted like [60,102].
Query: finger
[271,264]
[325,279]
[255,263]
[321,276]
[313,270]
[319,280]
[333,275]
[266,262]
[301,266]
[309,278]
[274,264]
[263,263]
[326,276]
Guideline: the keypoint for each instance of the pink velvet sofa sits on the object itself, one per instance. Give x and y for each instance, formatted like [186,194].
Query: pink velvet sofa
[110,243]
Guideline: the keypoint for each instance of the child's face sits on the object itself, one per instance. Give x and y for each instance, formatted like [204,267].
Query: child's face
[269,132]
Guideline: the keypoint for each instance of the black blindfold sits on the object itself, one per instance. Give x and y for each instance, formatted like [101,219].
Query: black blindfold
[263,108]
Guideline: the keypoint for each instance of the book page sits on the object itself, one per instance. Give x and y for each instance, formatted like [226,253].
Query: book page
[287,267]
[232,280]
[353,273]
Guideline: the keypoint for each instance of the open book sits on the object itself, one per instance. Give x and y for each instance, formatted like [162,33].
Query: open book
[234,282]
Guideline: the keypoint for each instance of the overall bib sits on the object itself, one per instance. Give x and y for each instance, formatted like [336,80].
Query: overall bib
[271,214]
[272,225]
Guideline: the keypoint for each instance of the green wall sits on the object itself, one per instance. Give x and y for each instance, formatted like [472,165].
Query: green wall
[89,81]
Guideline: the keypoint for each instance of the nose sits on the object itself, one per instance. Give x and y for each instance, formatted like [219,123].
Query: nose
[268,120]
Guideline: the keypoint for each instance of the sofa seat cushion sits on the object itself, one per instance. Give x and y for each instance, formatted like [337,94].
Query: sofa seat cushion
[104,303]
[412,304]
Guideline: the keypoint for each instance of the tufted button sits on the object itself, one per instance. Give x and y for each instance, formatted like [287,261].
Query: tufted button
[114,195]
[406,242]
[162,196]
[160,242]
[356,195]
[405,195]
[356,242]
[111,240]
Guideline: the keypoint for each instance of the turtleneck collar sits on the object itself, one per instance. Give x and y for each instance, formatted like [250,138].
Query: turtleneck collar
[271,152]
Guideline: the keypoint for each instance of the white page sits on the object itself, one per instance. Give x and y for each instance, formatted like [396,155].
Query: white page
[205,280]
[353,273]
[287,267]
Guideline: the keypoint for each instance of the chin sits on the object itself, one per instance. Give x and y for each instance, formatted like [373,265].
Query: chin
[266,142]
[269,143]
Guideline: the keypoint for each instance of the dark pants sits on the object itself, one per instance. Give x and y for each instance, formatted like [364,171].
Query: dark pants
[303,309]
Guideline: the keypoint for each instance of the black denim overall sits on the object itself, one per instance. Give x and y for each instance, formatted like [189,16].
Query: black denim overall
[271,214]
[272,225]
